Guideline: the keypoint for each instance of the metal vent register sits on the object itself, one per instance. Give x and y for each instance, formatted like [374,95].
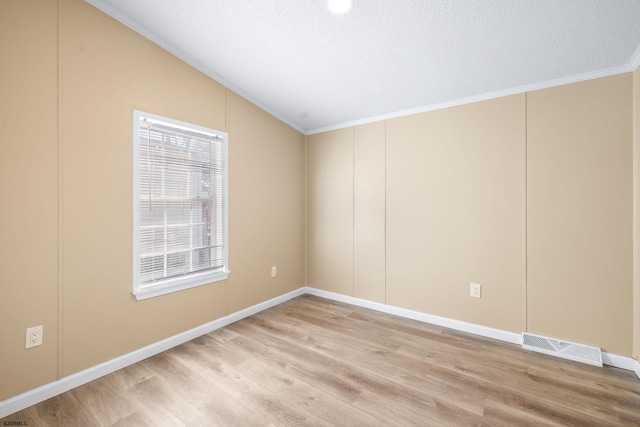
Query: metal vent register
[564,349]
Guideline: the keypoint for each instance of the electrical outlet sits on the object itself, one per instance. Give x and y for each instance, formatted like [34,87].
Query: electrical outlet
[34,337]
[475,290]
[273,271]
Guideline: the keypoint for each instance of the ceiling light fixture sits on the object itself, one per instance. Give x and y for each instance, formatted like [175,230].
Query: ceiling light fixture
[340,6]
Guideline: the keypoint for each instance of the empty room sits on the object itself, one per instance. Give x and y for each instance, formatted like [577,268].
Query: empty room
[320,212]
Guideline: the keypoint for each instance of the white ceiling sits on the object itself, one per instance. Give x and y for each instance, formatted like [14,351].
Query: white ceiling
[318,71]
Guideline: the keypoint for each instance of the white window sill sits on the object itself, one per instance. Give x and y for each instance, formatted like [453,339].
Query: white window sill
[179,284]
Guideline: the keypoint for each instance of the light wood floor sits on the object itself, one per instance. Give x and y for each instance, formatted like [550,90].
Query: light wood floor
[312,361]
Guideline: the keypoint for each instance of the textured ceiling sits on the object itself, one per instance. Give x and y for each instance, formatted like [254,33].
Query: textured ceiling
[316,70]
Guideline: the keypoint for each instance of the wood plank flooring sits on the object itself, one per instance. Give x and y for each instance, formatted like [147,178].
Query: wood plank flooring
[315,362]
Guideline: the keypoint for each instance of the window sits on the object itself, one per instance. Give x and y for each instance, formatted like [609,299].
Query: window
[179,205]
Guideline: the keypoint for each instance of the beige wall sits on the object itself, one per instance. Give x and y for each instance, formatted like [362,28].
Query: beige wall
[529,195]
[28,190]
[454,212]
[330,211]
[106,71]
[406,211]
[636,214]
[445,191]
[266,211]
[369,222]
[579,199]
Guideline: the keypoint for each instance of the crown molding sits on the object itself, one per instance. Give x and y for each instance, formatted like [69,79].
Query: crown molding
[634,64]
[485,97]
[106,8]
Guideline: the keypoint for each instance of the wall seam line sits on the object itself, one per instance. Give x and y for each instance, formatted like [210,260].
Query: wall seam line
[60,332]
[635,221]
[306,210]
[353,208]
[385,213]
[525,313]
[227,120]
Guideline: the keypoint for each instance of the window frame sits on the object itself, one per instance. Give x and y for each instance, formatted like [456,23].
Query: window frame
[173,284]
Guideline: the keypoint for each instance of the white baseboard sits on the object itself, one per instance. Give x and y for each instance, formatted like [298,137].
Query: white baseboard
[458,325]
[610,359]
[47,391]
[55,388]
[616,361]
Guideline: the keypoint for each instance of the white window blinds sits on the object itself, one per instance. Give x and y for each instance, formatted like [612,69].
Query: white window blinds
[181,193]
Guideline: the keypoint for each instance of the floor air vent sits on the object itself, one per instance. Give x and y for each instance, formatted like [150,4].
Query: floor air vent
[565,349]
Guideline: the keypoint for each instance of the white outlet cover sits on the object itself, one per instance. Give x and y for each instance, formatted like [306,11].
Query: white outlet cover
[34,337]
[273,271]
[475,290]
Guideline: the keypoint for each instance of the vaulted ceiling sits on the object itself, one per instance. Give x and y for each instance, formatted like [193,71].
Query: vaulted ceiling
[317,70]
